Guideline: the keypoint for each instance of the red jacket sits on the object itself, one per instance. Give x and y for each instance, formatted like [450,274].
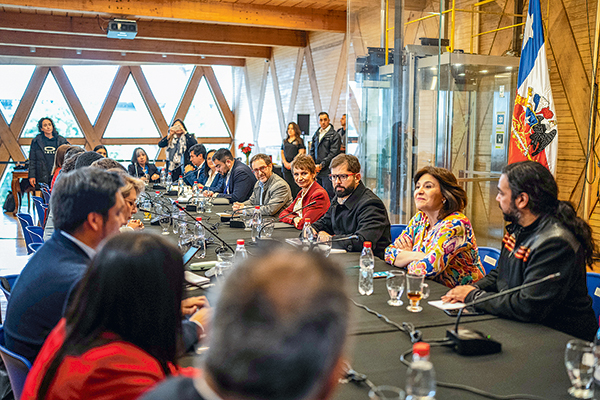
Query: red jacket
[116,370]
[315,193]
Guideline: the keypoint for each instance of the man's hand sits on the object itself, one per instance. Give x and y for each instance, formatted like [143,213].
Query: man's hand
[236,206]
[403,243]
[188,168]
[458,294]
[193,304]
[32,181]
[155,177]
[323,236]
[203,317]
[208,193]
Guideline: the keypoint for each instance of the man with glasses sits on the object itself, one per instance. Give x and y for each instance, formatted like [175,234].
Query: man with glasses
[355,210]
[271,192]
[239,179]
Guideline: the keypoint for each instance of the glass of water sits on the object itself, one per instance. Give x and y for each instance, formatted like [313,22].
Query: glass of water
[324,247]
[579,360]
[395,282]
[385,392]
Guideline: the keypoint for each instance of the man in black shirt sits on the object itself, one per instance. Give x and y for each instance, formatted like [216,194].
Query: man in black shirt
[355,210]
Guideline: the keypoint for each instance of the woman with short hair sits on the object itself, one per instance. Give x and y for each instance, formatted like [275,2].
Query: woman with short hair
[438,241]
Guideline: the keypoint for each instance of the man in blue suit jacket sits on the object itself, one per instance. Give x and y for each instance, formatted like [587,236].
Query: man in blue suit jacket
[239,179]
[197,171]
[87,207]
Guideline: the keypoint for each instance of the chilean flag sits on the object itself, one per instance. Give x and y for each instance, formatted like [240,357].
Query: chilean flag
[533,132]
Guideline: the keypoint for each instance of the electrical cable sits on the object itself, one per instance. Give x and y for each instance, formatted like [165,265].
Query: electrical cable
[406,327]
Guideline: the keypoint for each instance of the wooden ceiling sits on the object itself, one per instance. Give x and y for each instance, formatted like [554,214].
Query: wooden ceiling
[169,31]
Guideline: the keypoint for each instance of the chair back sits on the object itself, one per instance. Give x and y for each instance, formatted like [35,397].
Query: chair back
[37,234]
[33,247]
[593,286]
[17,367]
[397,230]
[46,195]
[7,282]
[40,209]
[489,258]
[25,220]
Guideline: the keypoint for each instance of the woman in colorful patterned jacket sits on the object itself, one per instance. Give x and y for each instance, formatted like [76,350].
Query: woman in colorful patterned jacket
[438,241]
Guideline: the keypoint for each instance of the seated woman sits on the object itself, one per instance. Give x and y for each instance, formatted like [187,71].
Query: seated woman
[439,241]
[131,191]
[216,181]
[101,149]
[304,172]
[141,168]
[59,159]
[122,331]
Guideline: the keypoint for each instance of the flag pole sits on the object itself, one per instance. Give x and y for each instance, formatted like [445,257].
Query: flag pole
[590,164]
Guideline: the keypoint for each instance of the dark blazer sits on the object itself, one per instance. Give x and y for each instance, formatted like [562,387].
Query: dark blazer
[190,140]
[323,151]
[199,174]
[241,183]
[217,185]
[315,193]
[39,294]
[136,171]
[38,168]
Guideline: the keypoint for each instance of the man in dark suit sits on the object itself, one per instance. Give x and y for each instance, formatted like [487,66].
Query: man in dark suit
[87,207]
[239,179]
[196,172]
[325,145]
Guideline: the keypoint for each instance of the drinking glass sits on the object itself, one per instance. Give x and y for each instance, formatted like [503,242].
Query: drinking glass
[165,218]
[386,392]
[208,201]
[267,227]
[147,205]
[324,247]
[395,282]
[416,289]
[247,218]
[579,360]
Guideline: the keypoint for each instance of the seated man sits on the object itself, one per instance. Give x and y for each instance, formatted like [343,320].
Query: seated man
[238,179]
[545,236]
[278,332]
[271,192]
[197,171]
[87,206]
[355,210]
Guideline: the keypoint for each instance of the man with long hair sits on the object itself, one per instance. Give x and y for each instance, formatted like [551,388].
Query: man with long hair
[544,236]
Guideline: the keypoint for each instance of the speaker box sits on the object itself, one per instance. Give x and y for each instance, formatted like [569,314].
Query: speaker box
[304,123]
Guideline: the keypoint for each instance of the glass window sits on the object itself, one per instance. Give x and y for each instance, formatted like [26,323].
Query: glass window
[269,137]
[168,82]
[6,181]
[13,81]
[204,118]
[224,76]
[91,96]
[123,152]
[51,103]
[131,118]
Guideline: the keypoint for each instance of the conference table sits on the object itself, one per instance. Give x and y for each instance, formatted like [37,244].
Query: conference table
[531,361]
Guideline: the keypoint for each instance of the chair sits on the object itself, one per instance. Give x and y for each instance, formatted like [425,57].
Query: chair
[40,209]
[46,195]
[593,285]
[26,220]
[17,367]
[7,282]
[33,247]
[489,258]
[37,234]
[397,230]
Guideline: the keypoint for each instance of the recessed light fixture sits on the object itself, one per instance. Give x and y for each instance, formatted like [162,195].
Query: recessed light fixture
[458,65]
[164,56]
[462,74]
[123,54]
[78,52]
[484,71]
[509,68]
[32,49]
[433,68]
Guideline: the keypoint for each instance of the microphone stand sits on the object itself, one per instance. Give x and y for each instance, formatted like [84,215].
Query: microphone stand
[470,342]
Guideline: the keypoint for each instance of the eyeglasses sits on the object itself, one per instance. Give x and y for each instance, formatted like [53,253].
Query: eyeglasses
[341,177]
[260,169]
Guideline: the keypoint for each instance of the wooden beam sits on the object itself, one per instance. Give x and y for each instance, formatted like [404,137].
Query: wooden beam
[220,99]
[75,105]
[277,93]
[340,80]
[168,47]
[188,94]
[312,79]
[149,99]
[26,104]
[9,142]
[73,141]
[310,19]
[120,141]
[296,85]
[152,30]
[112,98]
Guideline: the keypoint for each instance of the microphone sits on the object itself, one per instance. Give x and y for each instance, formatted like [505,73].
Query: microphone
[253,207]
[470,342]
[312,203]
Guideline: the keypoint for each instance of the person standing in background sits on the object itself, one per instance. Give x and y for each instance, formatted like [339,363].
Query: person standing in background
[325,146]
[101,149]
[178,143]
[291,147]
[342,133]
[42,151]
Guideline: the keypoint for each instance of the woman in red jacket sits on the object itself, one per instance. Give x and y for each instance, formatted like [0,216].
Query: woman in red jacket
[305,171]
[121,334]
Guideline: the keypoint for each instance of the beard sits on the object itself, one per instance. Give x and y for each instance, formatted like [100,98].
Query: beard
[342,192]
[512,215]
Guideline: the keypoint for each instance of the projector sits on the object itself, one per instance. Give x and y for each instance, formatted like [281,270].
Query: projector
[122,29]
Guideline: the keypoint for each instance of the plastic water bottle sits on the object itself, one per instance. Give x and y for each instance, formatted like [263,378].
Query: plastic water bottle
[176,221]
[182,224]
[180,186]
[163,177]
[195,191]
[420,377]
[256,223]
[199,241]
[169,181]
[597,361]
[308,234]
[241,254]
[365,275]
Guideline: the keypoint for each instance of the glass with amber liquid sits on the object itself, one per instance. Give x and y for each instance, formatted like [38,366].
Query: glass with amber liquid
[416,290]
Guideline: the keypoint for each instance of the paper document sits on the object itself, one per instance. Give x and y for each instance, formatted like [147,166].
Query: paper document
[195,279]
[446,306]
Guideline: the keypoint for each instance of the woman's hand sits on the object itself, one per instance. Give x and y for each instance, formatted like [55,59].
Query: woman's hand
[403,243]
[155,177]
[193,304]
[136,224]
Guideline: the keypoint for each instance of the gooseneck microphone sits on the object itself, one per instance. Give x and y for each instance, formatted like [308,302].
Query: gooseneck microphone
[471,342]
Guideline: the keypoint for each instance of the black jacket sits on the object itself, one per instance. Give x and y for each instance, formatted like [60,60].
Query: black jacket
[190,140]
[362,214]
[136,171]
[531,253]
[323,151]
[38,168]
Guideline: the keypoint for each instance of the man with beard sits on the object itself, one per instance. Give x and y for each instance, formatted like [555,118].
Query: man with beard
[544,236]
[355,210]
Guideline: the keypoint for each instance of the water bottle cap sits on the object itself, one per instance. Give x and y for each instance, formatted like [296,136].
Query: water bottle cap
[198,219]
[240,241]
[307,220]
[257,208]
[195,182]
[421,349]
[157,192]
[169,173]
[367,245]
